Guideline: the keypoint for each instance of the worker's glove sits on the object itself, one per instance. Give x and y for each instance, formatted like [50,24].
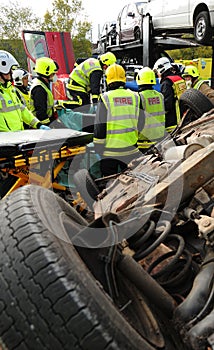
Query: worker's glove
[44,127]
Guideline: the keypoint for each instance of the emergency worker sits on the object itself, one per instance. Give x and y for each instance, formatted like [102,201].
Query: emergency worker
[13,113]
[21,82]
[172,87]
[118,121]
[153,105]
[84,81]
[193,80]
[41,96]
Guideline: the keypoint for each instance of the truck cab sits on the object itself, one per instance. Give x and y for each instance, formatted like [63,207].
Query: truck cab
[56,45]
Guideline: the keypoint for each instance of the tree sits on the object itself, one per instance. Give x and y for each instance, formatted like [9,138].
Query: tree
[65,17]
[62,15]
[14,18]
[82,46]
[191,52]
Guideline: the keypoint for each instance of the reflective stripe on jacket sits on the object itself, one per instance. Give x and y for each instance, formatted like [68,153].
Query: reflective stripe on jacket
[81,75]
[179,86]
[25,98]
[50,99]
[198,84]
[122,121]
[154,128]
[12,112]
[205,89]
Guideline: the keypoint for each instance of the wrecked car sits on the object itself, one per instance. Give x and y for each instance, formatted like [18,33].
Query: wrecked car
[138,275]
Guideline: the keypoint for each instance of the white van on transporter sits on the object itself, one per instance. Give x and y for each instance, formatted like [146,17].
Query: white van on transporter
[168,16]
[196,16]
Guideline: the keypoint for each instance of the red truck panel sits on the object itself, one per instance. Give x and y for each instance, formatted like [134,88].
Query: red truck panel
[56,45]
[61,50]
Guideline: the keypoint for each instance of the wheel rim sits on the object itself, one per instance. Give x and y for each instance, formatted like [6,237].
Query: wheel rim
[201,28]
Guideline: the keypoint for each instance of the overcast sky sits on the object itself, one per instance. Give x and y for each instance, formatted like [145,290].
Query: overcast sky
[98,11]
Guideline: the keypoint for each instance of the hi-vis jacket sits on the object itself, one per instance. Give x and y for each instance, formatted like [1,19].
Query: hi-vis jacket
[154,128]
[204,88]
[80,77]
[50,100]
[177,85]
[24,96]
[12,112]
[116,133]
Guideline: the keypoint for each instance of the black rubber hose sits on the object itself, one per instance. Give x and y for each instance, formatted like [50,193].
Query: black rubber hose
[147,285]
[197,297]
[201,331]
[206,309]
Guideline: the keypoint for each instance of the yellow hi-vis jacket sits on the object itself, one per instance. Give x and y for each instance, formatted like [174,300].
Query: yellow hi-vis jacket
[154,128]
[198,84]
[12,112]
[204,88]
[122,123]
[24,97]
[179,86]
[81,75]
[50,100]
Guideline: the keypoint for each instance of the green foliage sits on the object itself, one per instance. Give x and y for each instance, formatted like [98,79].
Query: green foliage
[14,18]
[15,47]
[82,46]
[63,17]
[191,53]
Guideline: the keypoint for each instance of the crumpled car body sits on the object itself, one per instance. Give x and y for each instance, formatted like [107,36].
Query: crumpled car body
[138,273]
[173,183]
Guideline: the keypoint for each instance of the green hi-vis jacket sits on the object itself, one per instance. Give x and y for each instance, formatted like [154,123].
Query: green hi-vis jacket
[122,123]
[179,86]
[81,75]
[12,112]
[50,100]
[24,97]
[154,128]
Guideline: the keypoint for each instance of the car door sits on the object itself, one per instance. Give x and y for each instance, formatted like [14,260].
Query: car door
[122,19]
[176,14]
[155,9]
[168,14]
[133,19]
[129,19]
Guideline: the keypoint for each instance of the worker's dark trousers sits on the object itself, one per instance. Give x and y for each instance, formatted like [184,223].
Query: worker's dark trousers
[110,166]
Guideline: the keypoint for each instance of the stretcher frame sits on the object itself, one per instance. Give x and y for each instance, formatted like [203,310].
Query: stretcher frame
[25,159]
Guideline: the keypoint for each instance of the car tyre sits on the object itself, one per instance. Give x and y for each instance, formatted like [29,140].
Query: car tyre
[49,298]
[86,186]
[202,28]
[197,102]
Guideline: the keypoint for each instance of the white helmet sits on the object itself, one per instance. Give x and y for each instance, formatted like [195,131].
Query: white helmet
[7,61]
[162,65]
[18,74]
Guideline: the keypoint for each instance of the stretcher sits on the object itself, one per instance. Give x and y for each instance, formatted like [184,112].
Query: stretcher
[38,156]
